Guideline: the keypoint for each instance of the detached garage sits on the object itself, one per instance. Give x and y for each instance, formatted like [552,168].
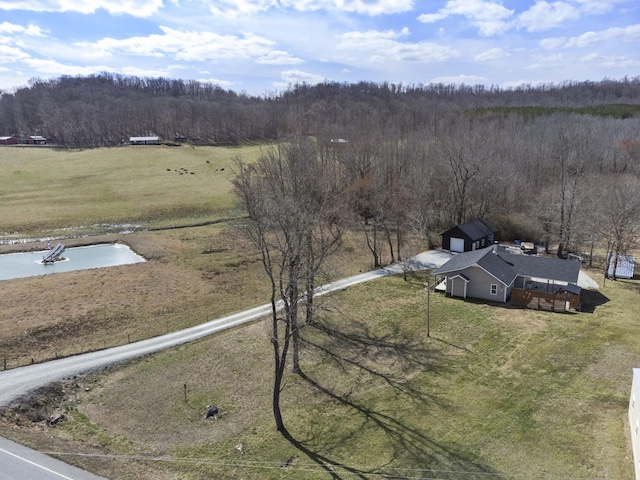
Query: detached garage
[469,236]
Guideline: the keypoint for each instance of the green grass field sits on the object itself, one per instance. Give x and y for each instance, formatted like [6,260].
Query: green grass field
[45,189]
[494,393]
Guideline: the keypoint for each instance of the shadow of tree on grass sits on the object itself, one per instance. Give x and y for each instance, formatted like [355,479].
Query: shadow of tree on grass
[389,360]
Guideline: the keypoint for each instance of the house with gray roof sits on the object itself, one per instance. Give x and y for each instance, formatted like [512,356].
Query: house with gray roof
[492,273]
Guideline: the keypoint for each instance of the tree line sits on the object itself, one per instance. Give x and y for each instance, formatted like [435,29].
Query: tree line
[106,109]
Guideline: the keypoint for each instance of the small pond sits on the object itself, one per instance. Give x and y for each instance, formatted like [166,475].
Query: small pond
[29,264]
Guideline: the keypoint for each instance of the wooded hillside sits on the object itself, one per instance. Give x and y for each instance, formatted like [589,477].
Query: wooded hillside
[558,164]
[105,109]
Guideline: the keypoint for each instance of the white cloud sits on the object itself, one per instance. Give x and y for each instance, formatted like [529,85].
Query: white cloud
[384,46]
[550,61]
[11,48]
[53,67]
[432,17]
[599,7]
[611,61]
[35,31]
[278,57]
[9,54]
[492,54]
[363,7]
[136,8]
[6,27]
[217,81]
[544,16]
[187,45]
[237,8]
[292,77]
[144,72]
[553,43]
[628,34]
[490,17]
[31,30]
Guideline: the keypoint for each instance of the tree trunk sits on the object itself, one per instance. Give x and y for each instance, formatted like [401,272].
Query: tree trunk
[279,363]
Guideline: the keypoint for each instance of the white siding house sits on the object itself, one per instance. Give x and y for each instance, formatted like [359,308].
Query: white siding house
[634,420]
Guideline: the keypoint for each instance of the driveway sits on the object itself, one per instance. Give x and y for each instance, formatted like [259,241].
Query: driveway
[20,381]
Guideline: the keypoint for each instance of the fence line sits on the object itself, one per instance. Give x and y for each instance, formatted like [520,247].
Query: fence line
[9,362]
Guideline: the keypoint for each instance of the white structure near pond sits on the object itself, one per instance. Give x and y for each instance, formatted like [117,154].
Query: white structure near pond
[634,420]
[30,264]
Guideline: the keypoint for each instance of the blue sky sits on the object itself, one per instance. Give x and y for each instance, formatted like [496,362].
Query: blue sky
[261,46]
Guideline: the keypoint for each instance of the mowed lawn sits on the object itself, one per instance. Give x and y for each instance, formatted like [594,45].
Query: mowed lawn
[48,189]
[494,392]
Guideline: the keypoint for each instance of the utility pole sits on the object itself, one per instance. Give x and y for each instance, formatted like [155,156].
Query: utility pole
[426,284]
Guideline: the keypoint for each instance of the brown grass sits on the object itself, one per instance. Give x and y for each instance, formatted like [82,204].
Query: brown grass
[178,286]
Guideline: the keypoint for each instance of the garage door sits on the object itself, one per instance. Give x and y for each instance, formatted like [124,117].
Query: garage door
[457,244]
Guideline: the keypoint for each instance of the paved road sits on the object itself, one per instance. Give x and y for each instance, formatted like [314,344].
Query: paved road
[22,463]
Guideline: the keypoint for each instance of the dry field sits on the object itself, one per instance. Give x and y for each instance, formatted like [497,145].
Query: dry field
[192,275]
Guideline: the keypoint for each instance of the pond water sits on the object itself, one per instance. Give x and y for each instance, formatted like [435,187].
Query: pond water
[29,264]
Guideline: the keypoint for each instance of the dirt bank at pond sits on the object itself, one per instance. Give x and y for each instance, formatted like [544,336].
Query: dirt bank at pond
[179,286]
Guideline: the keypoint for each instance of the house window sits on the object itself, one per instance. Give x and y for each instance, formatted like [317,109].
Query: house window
[494,289]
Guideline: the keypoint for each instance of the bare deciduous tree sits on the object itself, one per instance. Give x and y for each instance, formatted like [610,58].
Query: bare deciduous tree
[294,221]
[618,217]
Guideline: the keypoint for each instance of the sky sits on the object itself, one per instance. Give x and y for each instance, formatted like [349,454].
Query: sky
[262,47]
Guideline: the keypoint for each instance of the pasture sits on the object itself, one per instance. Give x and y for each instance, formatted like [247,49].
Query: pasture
[495,392]
[46,190]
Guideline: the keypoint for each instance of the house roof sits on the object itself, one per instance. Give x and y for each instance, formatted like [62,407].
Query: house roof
[475,229]
[625,266]
[143,139]
[505,266]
